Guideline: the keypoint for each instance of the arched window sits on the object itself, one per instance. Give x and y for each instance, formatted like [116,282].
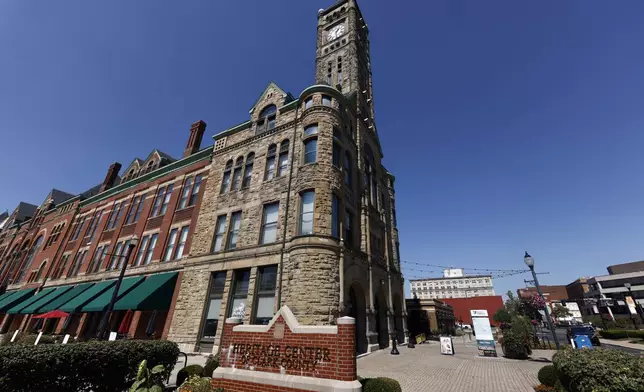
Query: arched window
[248,170]
[371,181]
[266,120]
[150,166]
[283,158]
[337,148]
[30,257]
[226,180]
[237,173]
[270,162]
[41,270]
[310,143]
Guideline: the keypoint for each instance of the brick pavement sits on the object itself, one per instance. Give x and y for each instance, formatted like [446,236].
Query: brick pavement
[424,369]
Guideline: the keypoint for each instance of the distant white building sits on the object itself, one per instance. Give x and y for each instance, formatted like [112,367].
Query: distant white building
[453,284]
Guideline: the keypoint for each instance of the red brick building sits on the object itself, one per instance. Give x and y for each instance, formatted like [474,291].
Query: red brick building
[550,293]
[71,246]
[462,307]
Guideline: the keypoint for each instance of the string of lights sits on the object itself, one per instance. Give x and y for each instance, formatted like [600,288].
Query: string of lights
[465,268]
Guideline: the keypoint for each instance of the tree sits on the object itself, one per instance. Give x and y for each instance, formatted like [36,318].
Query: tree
[502,316]
[560,312]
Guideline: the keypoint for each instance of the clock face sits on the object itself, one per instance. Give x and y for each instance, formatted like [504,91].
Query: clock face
[336,32]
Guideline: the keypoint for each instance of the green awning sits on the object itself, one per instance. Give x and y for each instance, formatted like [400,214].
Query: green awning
[65,298]
[153,294]
[86,296]
[23,304]
[15,298]
[42,301]
[101,302]
[7,294]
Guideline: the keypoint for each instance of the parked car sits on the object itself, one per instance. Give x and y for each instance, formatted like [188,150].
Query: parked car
[580,330]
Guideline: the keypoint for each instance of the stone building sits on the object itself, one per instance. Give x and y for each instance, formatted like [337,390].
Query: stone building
[300,210]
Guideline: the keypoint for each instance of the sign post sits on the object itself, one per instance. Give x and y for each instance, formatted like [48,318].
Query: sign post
[483,331]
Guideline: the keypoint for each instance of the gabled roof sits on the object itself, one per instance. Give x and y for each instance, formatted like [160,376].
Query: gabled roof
[163,155]
[288,97]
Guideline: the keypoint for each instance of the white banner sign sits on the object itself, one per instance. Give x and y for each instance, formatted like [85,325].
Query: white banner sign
[479,313]
[631,305]
[447,346]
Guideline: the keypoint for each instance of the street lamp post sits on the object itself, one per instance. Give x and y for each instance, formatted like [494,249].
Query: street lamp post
[638,307]
[106,317]
[529,261]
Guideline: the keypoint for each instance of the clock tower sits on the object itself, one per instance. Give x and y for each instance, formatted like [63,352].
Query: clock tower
[343,60]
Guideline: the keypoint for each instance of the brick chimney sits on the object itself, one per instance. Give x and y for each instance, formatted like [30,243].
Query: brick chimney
[194,141]
[110,177]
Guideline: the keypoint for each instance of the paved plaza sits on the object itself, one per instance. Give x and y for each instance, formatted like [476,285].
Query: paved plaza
[424,369]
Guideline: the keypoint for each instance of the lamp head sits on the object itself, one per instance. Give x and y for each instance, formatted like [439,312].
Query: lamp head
[528,260]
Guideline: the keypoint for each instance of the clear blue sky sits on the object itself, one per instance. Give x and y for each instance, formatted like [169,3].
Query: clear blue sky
[509,125]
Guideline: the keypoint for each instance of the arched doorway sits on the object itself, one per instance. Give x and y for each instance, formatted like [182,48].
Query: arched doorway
[358,310]
[380,308]
[398,319]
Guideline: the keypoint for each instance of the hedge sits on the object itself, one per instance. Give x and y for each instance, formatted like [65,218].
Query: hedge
[548,375]
[621,334]
[599,370]
[380,384]
[97,366]
[188,371]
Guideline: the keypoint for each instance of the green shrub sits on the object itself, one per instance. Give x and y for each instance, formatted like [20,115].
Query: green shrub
[196,383]
[548,375]
[515,345]
[599,370]
[380,384]
[621,334]
[148,380]
[212,363]
[97,366]
[30,339]
[186,372]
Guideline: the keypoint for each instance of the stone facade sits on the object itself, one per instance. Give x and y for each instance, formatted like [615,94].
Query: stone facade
[331,271]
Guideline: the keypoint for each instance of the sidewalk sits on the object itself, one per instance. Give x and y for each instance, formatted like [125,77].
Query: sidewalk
[424,369]
[622,343]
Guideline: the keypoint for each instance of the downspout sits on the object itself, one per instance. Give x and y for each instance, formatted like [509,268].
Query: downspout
[288,200]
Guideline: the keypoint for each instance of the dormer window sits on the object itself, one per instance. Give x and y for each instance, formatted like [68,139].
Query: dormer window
[151,166]
[266,120]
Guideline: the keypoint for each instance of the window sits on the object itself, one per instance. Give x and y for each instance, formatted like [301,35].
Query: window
[307,200]
[270,162]
[265,295]
[62,263]
[308,103]
[187,188]
[220,230]
[214,306]
[283,159]
[97,260]
[195,191]
[239,292]
[335,216]
[339,69]
[190,192]
[329,73]
[169,249]
[162,200]
[78,263]
[269,224]
[266,120]
[166,199]
[117,211]
[78,229]
[182,242]
[326,100]
[347,168]
[53,237]
[337,153]
[248,171]
[35,248]
[311,130]
[370,173]
[226,180]
[310,150]
[93,224]
[150,250]
[141,252]
[237,173]
[235,224]
[135,211]
[118,251]
[41,269]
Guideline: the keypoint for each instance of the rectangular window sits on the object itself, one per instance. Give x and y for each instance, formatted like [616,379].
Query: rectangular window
[150,250]
[187,188]
[166,199]
[310,150]
[269,224]
[115,256]
[183,237]
[348,229]
[265,295]
[220,230]
[214,306]
[78,263]
[97,260]
[308,103]
[248,171]
[60,268]
[337,153]
[78,229]
[169,249]
[326,100]
[190,192]
[195,191]
[117,211]
[335,216]
[91,230]
[239,292]
[135,210]
[311,130]
[347,168]
[141,252]
[307,200]
[235,224]
[270,163]
[236,177]
[283,159]
[156,209]
[225,182]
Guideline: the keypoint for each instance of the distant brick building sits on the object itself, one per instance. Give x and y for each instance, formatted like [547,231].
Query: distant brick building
[462,307]
[550,293]
[577,290]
